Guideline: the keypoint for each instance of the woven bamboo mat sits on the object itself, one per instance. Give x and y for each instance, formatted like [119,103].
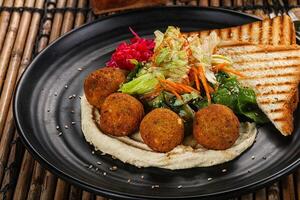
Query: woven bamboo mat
[27,27]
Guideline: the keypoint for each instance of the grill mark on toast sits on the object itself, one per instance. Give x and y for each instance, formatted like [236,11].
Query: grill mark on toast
[272,92]
[281,119]
[272,101]
[276,110]
[260,50]
[264,60]
[271,76]
[287,83]
[268,68]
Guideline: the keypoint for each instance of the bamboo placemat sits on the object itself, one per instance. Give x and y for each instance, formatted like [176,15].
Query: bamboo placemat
[27,27]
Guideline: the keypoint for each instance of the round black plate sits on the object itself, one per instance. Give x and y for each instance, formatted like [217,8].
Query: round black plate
[42,103]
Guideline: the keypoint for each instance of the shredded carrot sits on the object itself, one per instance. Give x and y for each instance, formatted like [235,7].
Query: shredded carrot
[196,79]
[176,88]
[204,82]
[223,67]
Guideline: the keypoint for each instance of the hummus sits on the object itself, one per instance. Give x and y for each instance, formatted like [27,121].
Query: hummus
[132,150]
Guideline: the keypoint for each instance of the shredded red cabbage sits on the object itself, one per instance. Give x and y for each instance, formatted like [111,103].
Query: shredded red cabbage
[140,49]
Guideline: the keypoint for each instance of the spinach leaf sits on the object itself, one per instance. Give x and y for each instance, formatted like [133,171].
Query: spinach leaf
[240,99]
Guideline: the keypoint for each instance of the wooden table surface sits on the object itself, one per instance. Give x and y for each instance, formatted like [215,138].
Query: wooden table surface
[27,27]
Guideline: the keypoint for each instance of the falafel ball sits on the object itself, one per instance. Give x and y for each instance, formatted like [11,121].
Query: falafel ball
[101,83]
[120,114]
[216,127]
[162,130]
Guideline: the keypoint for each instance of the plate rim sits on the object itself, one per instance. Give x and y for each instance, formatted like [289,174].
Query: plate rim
[115,194]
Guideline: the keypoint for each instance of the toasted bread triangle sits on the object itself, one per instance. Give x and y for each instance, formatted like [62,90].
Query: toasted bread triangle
[274,73]
[266,52]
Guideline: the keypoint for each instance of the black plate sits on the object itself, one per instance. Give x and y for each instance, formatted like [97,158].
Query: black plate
[42,102]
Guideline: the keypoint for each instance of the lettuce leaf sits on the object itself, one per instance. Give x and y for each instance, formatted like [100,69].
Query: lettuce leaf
[141,85]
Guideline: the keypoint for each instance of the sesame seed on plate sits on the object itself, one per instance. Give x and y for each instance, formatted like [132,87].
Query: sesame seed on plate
[113,168]
[142,177]
[66,86]
[57,127]
[97,169]
[66,126]
[73,123]
[209,179]
[79,69]
[60,133]
[179,186]
[252,157]
[55,93]
[104,173]
[74,95]
[128,180]
[265,158]
[99,163]
[155,186]
[224,170]
[91,166]
[70,97]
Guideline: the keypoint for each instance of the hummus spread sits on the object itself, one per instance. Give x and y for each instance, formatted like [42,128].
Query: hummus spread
[132,150]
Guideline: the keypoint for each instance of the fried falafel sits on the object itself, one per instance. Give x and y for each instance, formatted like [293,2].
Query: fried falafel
[101,83]
[162,130]
[120,114]
[216,127]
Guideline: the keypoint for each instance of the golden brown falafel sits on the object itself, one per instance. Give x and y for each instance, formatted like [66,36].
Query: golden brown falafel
[162,130]
[101,83]
[120,114]
[216,127]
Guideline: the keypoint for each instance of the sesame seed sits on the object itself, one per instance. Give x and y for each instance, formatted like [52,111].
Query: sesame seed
[66,126]
[79,97]
[179,186]
[252,157]
[72,111]
[91,166]
[99,163]
[55,93]
[57,127]
[142,177]
[66,86]
[60,133]
[209,179]
[265,158]
[79,69]
[128,180]
[155,186]
[74,95]
[104,173]
[113,168]
[97,169]
[93,152]
[73,123]
[224,170]
[70,97]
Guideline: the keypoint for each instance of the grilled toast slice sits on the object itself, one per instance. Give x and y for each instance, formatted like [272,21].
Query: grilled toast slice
[277,31]
[274,73]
